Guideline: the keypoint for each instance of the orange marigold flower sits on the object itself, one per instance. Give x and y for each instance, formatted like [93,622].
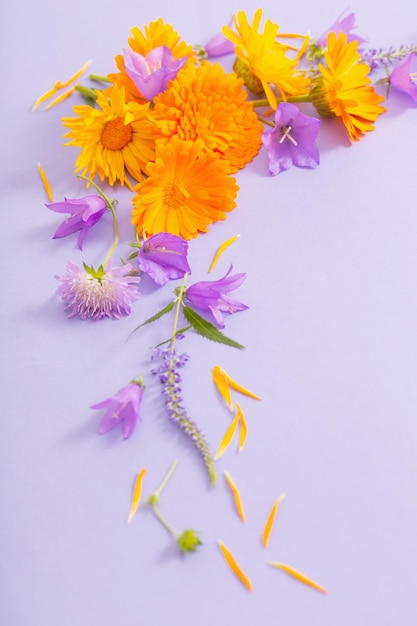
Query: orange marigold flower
[114,138]
[343,88]
[209,105]
[185,191]
[155,34]
[265,58]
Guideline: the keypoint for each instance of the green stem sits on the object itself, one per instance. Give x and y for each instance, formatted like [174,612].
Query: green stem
[163,521]
[99,79]
[87,92]
[110,205]
[177,309]
[166,478]
[263,102]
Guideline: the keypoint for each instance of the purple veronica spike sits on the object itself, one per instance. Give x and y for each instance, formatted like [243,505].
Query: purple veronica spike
[404,76]
[152,73]
[96,294]
[122,408]
[219,45]
[85,212]
[345,25]
[293,139]
[211,295]
[164,257]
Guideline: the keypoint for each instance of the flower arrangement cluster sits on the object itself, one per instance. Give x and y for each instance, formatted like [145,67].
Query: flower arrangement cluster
[171,125]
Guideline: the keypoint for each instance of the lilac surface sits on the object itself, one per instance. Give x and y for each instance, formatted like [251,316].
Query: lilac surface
[331,346]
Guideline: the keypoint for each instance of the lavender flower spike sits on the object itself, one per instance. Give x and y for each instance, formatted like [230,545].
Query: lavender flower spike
[152,73]
[404,76]
[95,294]
[122,408]
[85,212]
[164,257]
[293,139]
[211,296]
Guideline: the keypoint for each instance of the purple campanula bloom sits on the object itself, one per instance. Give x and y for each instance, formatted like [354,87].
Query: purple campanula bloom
[219,45]
[152,73]
[344,25]
[211,295]
[164,257]
[293,139]
[85,212]
[404,76]
[122,408]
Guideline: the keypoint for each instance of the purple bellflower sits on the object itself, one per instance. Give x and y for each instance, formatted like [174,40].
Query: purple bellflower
[211,296]
[292,141]
[84,213]
[344,25]
[95,294]
[219,45]
[404,76]
[164,257]
[122,408]
[152,73]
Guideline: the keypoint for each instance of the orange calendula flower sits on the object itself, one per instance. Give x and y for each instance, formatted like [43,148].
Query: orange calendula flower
[209,106]
[236,494]
[115,139]
[137,492]
[270,520]
[343,88]
[266,59]
[185,191]
[236,569]
[155,34]
[227,438]
[299,576]
[224,383]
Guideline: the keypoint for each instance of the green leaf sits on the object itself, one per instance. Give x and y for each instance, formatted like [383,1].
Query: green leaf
[206,329]
[155,317]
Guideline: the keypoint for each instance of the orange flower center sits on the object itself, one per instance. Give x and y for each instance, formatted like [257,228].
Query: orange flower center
[174,195]
[116,135]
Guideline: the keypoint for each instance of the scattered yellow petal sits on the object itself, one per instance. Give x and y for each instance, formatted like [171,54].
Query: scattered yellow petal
[46,96]
[219,377]
[60,98]
[299,576]
[137,491]
[227,438]
[234,385]
[59,85]
[221,249]
[270,520]
[236,569]
[77,75]
[46,184]
[243,430]
[237,496]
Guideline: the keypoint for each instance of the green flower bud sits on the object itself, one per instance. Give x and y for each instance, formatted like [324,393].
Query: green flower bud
[188,541]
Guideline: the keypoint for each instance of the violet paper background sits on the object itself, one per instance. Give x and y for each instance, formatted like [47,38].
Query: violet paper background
[331,346]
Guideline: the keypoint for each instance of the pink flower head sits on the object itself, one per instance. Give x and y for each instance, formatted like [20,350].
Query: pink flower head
[164,257]
[211,295]
[95,294]
[219,45]
[84,213]
[404,76]
[344,25]
[293,139]
[152,73]
[122,408]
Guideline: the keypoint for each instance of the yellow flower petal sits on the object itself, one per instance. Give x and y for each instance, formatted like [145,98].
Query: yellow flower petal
[227,438]
[236,569]
[61,98]
[221,249]
[59,85]
[46,184]
[299,576]
[237,496]
[243,431]
[220,380]
[137,491]
[270,520]
[77,75]
[234,385]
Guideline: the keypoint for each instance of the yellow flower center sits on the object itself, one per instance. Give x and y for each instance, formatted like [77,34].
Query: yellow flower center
[116,135]
[174,195]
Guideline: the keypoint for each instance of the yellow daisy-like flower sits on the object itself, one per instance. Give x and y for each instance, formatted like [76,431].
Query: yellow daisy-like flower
[207,105]
[156,34]
[265,58]
[115,138]
[343,88]
[184,192]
